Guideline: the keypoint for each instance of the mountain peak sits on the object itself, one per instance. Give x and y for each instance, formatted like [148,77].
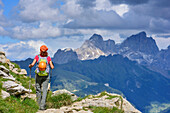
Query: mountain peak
[143,34]
[140,42]
[96,37]
[64,56]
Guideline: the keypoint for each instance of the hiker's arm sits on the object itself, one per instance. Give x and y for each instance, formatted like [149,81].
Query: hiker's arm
[51,65]
[33,63]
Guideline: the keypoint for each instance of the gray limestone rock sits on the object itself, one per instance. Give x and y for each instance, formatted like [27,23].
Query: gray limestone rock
[3,74]
[14,88]
[4,69]
[23,72]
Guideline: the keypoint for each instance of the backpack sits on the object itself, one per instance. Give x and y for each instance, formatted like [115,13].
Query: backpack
[42,62]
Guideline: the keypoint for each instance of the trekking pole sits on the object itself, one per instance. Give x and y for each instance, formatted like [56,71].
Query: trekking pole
[29,81]
[50,77]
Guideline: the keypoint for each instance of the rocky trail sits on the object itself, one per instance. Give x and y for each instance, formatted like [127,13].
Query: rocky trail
[103,99]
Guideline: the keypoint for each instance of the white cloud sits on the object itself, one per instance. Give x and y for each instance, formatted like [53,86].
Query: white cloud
[107,6]
[21,50]
[72,9]
[37,10]
[161,42]
[44,30]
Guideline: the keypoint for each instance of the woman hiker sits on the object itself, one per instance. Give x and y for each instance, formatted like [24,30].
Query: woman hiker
[42,75]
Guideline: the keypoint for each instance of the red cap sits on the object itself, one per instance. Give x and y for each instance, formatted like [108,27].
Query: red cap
[43,48]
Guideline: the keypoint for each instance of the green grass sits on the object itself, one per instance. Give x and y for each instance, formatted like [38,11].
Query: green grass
[14,104]
[105,110]
[5,64]
[58,101]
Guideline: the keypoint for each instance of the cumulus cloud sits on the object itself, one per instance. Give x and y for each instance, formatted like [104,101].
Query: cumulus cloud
[31,11]
[45,18]
[96,19]
[44,30]
[72,9]
[107,6]
[21,50]
[162,42]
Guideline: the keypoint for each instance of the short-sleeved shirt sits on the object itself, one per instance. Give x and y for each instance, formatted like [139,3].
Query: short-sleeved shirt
[48,58]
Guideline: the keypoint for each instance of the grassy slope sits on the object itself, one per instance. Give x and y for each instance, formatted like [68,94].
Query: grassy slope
[14,104]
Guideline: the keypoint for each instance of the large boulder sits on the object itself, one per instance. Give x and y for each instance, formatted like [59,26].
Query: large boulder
[14,88]
[23,72]
[58,92]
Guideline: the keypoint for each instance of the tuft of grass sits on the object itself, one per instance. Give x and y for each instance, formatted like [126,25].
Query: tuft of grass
[14,104]
[58,101]
[78,99]
[105,110]
[5,64]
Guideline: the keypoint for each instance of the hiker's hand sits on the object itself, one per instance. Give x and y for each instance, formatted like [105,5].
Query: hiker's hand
[30,66]
[33,63]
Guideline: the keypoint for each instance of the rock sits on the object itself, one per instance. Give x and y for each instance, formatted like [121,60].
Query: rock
[51,111]
[23,72]
[73,96]
[2,57]
[11,66]
[14,88]
[9,77]
[2,53]
[33,96]
[4,69]
[3,74]
[15,70]
[4,94]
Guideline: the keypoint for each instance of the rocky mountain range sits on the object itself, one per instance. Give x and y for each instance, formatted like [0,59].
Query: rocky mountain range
[139,48]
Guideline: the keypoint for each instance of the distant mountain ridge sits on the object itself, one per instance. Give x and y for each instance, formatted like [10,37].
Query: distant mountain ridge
[137,47]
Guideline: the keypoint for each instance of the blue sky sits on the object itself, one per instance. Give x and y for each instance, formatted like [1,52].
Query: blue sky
[26,24]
